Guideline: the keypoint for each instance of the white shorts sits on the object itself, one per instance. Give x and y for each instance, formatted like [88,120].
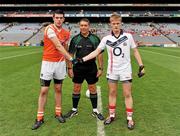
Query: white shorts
[53,70]
[119,77]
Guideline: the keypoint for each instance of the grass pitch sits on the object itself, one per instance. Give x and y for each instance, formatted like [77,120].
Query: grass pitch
[156,97]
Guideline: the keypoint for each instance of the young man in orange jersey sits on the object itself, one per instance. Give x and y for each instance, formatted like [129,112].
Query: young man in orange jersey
[53,66]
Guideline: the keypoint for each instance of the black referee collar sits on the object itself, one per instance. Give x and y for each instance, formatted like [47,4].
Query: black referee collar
[83,35]
[121,33]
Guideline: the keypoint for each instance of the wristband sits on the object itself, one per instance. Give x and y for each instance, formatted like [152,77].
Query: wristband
[71,59]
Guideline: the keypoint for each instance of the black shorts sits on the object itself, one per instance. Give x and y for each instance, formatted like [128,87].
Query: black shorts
[86,72]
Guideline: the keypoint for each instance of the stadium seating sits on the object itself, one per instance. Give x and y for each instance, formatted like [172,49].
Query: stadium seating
[159,33]
[19,32]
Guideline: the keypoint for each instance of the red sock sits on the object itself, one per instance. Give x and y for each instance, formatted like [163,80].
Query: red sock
[112,110]
[129,112]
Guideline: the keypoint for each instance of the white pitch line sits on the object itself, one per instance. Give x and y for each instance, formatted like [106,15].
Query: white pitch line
[100,125]
[9,57]
[161,53]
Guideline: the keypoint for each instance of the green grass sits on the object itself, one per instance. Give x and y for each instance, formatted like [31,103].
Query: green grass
[156,97]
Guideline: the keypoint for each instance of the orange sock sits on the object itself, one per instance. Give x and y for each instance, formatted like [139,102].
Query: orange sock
[58,111]
[40,115]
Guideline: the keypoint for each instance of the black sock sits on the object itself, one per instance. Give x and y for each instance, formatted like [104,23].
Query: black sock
[75,99]
[93,98]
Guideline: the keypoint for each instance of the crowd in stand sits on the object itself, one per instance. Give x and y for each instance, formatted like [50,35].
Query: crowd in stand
[142,30]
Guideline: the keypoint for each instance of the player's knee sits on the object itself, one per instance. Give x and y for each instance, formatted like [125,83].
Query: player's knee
[77,89]
[113,93]
[57,89]
[92,89]
[127,95]
[44,91]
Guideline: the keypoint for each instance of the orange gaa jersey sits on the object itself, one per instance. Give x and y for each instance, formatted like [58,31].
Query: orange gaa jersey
[50,53]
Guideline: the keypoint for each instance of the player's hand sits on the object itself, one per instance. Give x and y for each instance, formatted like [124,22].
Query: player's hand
[141,71]
[80,60]
[74,61]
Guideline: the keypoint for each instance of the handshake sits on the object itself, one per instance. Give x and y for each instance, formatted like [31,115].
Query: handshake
[141,71]
[77,60]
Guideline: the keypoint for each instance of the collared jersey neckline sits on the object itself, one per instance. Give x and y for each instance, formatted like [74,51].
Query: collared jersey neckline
[121,33]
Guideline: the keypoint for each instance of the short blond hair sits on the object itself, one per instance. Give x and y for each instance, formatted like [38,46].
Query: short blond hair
[115,16]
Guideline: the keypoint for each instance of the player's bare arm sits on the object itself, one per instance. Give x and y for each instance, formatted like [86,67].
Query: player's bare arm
[70,67]
[92,54]
[60,48]
[69,63]
[137,56]
[66,48]
[139,61]
[100,64]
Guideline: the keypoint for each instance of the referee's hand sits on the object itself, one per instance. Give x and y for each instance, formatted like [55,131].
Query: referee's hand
[99,73]
[70,72]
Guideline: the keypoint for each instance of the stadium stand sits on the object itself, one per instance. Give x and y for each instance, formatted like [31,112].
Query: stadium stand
[149,23]
[33,32]
[147,34]
[19,32]
[170,30]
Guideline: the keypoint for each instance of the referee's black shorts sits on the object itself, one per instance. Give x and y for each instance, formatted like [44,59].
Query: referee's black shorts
[86,72]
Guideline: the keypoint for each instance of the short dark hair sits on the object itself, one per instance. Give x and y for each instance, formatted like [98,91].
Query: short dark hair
[58,12]
[85,20]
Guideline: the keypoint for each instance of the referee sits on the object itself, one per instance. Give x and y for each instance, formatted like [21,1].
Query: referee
[81,45]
